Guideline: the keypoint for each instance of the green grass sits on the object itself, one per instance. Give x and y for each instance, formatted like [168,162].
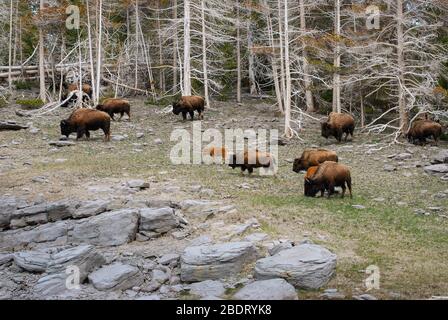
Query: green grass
[30,103]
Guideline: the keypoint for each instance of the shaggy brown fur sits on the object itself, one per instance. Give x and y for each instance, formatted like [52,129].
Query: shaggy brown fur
[82,120]
[313,157]
[262,160]
[115,105]
[328,176]
[189,104]
[422,129]
[338,124]
[87,89]
[309,173]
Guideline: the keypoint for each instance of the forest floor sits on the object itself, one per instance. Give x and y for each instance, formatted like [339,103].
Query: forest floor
[380,226]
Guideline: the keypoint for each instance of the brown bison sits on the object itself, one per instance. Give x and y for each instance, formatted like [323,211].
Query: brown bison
[313,157]
[422,129]
[329,175]
[309,173]
[71,89]
[82,120]
[251,159]
[115,105]
[189,104]
[216,152]
[338,124]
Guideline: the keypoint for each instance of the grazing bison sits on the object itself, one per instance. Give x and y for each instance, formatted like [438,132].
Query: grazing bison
[338,124]
[307,185]
[71,89]
[115,105]
[313,157]
[251,159]
[189,104]
[82,120]
[422,129]
[329,175]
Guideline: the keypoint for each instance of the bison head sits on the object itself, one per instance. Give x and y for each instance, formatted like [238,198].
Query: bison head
[176,108]
[66,128]
[325,128]
[311,187]
[100,107]
[298,165]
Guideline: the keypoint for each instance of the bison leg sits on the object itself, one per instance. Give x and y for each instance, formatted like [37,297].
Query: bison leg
[79,133]
[343,191]
[191,115]
[112,115]
[129,114]
[349,185]
[339,135]
[201,116]
[106,130]
[87,134]
[250,170]
[184,115]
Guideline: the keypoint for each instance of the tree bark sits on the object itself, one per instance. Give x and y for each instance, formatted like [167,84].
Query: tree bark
[288,130]
[99,57]
[238,54]
[175,47]
[187,66]
[10,45]
[42,91]
[204,55]
[404,116]
[306,77]
[337,60]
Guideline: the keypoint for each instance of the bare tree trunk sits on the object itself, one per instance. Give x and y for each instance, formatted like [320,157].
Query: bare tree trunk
[42,93]
[252,82]
[238,54]
[306,77]
[89,34]
[187,67]
[404,116]
[288,130]
[161,70]
[282,61]
[99,57]
[204,54]
[278,93]
[16,34]
[175,47]
[363,116]
[337,60]
[137,37]
[10,45]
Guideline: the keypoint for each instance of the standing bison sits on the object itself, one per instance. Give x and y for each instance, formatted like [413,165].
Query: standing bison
[338,124]
[189,104]
[72,91]
[328,176]
[82,120]
[422,129]
[115,105]
[313,157]
[252,159]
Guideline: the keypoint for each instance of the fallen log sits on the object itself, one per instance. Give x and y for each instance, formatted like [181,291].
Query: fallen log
[11,126]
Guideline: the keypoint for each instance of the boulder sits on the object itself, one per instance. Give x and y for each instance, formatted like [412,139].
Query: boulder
[116,276]
[204,209]
[209,262]
[51,285]
[158,220]
[437,169]
[306,266]
[441,157]
[32,261]
[91,208]
[170,258]
[272,289]
[8,205]
[207,288]
[137,184]
[108,229]
[5,258]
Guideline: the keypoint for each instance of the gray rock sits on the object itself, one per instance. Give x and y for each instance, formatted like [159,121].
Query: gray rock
[5,258]
[33,130]
[437,169]
[207,288]
[441,157]
[158,220]
[51,285]
[159,276]
[139,135]
[150,297]
[403,156]
[118,137]
[137,184]
[158,141]
[20,238]
[116,276]
[256,237]
[332,296]
[358,206]
[8,205]
[389,168]
[365,297]
[205,209]
[272,289]
[170,258]
[306,266]
[91,208]
[85,257]
[32,261]
[216,261]
[108,229]
[280,247]
[43,213]
[201,240]
[61,143]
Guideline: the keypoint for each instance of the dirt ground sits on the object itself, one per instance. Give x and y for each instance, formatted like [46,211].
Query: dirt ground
[381,225]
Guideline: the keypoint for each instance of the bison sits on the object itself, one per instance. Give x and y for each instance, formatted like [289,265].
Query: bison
[189,104]
[71,90]
[115,105]
[313,157]
[82,120]
[338,124]
[214,152]
[251,159]
[422,129]
[329,175]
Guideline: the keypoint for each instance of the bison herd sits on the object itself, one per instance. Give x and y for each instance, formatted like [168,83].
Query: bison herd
[323,171]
